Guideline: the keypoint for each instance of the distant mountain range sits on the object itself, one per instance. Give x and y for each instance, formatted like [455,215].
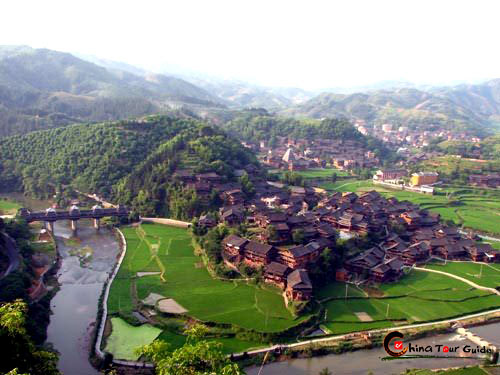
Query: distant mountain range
[41,88]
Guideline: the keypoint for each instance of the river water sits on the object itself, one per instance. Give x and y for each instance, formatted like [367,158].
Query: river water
[81,280]
[362,362]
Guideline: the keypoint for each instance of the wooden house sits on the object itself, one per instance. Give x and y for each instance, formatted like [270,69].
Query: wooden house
[232,217]
[234,245]
[386,271]
[299,286]
[210,177]
[233,197]
[276,273]
[417,253]
[257,254]
[365,261]
[295,257]
[206,221]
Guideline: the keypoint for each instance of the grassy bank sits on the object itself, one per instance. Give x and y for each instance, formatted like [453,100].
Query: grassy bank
[8,207]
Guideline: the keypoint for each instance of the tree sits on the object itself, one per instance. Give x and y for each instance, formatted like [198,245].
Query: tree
[298,236]
[272,233]
[247,186]
[197,357]
[19,353]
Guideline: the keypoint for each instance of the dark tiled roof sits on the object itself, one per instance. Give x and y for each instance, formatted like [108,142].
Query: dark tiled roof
[276,217]
[299,251]
[234,240]
[281,226]
[299,279]
[258,248]
[277,268]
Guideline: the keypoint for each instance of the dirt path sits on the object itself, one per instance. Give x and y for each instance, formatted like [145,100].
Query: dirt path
[461,279]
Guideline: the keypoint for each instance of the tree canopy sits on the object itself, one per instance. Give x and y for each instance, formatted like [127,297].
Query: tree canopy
[196,357]
[19,353]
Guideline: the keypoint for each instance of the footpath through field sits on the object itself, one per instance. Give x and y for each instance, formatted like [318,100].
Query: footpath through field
[492,290]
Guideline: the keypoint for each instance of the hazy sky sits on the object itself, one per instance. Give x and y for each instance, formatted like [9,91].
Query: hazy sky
[309,44]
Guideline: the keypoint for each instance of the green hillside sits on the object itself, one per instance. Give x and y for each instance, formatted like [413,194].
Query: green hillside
[131,162]
[261,126]
[472,107]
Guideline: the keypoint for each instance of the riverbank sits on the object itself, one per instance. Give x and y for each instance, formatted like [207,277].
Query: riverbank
[362,357]
[360,340]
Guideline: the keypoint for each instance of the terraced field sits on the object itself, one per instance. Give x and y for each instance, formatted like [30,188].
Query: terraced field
[419,297]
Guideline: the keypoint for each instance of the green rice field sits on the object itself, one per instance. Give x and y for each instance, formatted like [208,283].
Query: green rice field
[418,297]
[487,275]
[153,247]
[126,338]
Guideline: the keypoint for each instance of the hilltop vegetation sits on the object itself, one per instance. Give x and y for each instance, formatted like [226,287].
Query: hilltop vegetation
[488,148]
[129,161]
[472,107]
[255,127]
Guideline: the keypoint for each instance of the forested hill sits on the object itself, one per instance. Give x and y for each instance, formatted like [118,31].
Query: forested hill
[120,160]
[255,127]
[40,88]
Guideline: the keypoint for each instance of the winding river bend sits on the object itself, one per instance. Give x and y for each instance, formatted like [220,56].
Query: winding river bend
[87,261]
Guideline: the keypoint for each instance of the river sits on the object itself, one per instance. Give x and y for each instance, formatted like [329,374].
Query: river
[74,307]
[81,280]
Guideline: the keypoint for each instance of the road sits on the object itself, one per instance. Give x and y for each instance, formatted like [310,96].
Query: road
[488,238]
[94,196]
[333,338]
[12,254]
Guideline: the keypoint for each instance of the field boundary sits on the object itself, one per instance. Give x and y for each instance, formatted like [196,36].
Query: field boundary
[166,221]
[343,336]
[104,316]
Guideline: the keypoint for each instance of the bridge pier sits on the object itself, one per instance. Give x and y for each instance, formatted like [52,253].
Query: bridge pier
[97,224]
[74,227]
[49,225]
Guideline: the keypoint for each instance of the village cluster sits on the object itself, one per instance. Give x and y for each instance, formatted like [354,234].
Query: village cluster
[302,154]
[408,234]
[406,136]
